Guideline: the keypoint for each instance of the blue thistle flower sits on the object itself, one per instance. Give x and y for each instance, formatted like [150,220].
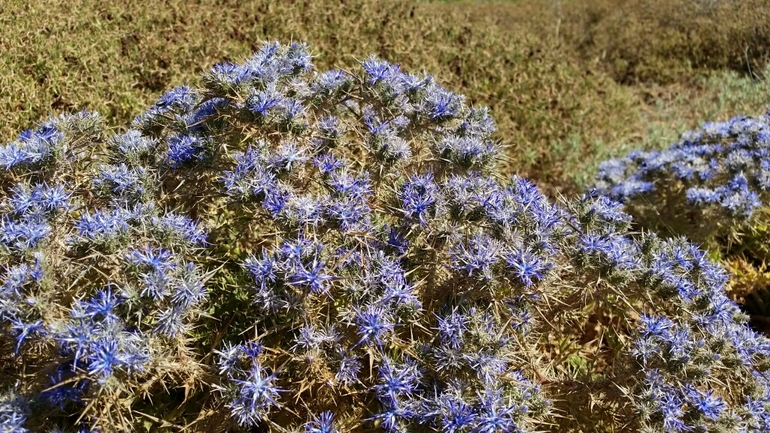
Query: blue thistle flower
[228,358]
[24,234]
[256,395]
[394,417]
[13,413]
[262,102]
[185,148]
[526,266]
[373,323]
[264,269]
[495,415]
[478,255]
[102,226]
[327,163]
[348,370]
[24,331]
[418,197]
[452,328]
[455,414]
[440,104]
[396,381]
[312,276]
[182,98]
[379,70]
[156,284]
[188,289]
[105,357]
[170,322]
[63,390]
[330,127]
[101,307]
[330,82]
[706,403]
[179,228]
[197,121]
[133,145]
[106,353]
[13,154]
[121,181]
[323,423]
[149,258]
[287,157]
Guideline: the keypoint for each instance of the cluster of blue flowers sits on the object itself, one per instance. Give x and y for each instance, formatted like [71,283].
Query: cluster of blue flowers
[99,283]
[708,182]
[393,280]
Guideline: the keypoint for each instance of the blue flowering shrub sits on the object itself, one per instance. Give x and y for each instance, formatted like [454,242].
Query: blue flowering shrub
[712,186]
[703,186]
[288,250]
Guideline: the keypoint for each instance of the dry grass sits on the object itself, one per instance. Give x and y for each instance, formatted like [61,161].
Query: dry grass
[667,41]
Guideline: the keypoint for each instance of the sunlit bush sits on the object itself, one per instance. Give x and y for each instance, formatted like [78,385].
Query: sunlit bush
[285,249]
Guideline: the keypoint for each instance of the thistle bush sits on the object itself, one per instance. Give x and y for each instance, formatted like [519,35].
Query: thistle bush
[703,186]
[283,249]
[711,186]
